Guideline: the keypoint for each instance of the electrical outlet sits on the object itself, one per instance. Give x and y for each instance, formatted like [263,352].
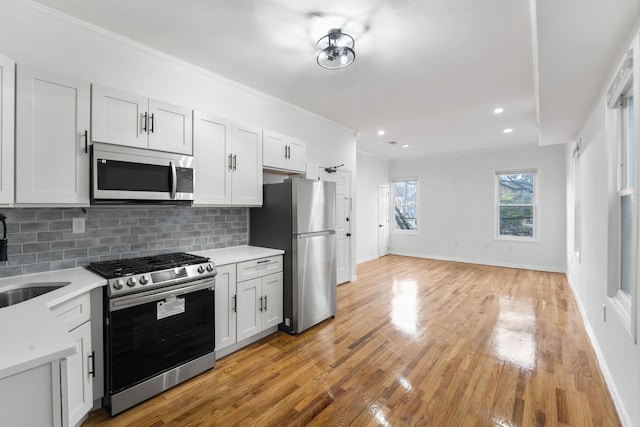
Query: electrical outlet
[78,225]
[604,312]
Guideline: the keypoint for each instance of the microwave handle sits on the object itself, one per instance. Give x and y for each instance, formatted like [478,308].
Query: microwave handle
[174,180]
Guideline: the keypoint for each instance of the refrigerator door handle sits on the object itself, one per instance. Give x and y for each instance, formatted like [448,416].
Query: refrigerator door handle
[317,233]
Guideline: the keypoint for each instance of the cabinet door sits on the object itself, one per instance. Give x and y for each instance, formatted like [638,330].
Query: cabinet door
[212,145]
[7,108]
[79,387]
[247,166]
[297,155]
[225,306]
[272,294]
[119,117]
[52,124]
[170,128]
[273,151]
[249,308]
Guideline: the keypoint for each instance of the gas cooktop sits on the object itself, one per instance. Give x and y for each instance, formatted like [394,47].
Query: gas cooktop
[144,273]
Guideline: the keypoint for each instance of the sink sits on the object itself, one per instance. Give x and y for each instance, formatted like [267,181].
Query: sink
[28,291]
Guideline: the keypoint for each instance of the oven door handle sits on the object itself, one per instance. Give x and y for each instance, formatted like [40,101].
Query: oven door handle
[133,300]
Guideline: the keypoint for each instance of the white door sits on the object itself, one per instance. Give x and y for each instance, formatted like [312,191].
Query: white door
[225,306]
[343,221]
[272,303]
[52,136]
[383,220]
[248,301]
[212,143]
[170,128]
[246,162]
[7,123]
[119,117]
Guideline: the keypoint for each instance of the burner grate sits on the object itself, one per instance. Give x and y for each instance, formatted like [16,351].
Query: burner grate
[126,267]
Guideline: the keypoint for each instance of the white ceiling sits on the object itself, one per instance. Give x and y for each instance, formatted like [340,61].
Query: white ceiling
[428,72]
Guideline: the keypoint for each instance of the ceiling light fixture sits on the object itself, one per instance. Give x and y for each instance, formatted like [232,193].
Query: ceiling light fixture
[508,130]
[380,132]
[405,146]
[335,50]
[498,110]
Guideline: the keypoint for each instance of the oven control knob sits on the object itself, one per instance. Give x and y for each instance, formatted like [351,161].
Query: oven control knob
[200,269]
[117,284]
[144,279]
[131,282]
[209,268]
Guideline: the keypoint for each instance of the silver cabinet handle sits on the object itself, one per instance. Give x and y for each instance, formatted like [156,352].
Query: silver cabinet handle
[234,304]
[144,126]
[234,161]
[151,123]
[174,180]
[92,359]
[86,141]
[230,161]
[265,303]
[261,299]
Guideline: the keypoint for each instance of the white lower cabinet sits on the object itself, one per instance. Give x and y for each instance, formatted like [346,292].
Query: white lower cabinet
[259,305]
[78,370]
[76,378]
[247,309]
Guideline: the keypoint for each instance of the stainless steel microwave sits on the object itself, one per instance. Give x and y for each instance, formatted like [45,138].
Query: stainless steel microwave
[132,175]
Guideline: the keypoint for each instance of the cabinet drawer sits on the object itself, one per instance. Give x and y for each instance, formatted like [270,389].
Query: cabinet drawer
[74,312]
[258,267]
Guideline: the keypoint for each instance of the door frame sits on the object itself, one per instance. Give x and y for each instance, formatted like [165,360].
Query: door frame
[323,173]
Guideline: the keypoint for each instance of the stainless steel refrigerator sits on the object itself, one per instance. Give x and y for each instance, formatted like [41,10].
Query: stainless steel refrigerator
[298,216]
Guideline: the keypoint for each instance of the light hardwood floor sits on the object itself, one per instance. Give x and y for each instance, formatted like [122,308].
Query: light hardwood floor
[414,342]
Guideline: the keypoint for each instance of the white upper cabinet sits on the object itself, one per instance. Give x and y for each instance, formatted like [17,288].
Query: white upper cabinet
[228,162]
[283,153]
[7,123]
[246,164]
[52,137]
[211,151]
[127,119]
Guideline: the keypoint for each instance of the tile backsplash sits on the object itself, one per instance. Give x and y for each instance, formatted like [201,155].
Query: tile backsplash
[42,239]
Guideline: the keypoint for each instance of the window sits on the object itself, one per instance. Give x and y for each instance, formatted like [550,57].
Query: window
[516,208]
[405,204]
[623,218]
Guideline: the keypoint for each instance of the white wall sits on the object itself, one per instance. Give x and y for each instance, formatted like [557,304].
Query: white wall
[457,208]
[34,35]
[618,355]
[372,172]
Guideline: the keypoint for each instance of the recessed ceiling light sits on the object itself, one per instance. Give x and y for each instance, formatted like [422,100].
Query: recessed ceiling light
[508,130]
[498,110]
[380,132]
[405,146]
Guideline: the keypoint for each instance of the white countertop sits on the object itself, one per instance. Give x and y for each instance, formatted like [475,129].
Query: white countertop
[31,335]
[236,254]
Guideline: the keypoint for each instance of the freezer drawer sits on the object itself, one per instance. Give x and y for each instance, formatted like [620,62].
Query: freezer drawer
[314,280]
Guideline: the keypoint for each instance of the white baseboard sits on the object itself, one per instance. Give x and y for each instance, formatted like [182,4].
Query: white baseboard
[370,258]
[483,262]
[608,378]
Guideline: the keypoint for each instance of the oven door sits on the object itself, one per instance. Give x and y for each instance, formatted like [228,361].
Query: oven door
[152,334]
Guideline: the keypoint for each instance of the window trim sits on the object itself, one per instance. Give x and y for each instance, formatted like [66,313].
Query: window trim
[534,205]
[620,185]
[393,205]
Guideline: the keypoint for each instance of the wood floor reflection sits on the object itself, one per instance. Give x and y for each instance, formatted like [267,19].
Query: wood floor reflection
[414,342]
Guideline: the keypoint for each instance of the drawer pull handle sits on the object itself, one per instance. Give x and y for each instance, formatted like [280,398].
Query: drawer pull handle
[263,261]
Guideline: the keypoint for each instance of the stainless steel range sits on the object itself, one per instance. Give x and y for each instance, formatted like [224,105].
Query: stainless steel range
[159,324]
